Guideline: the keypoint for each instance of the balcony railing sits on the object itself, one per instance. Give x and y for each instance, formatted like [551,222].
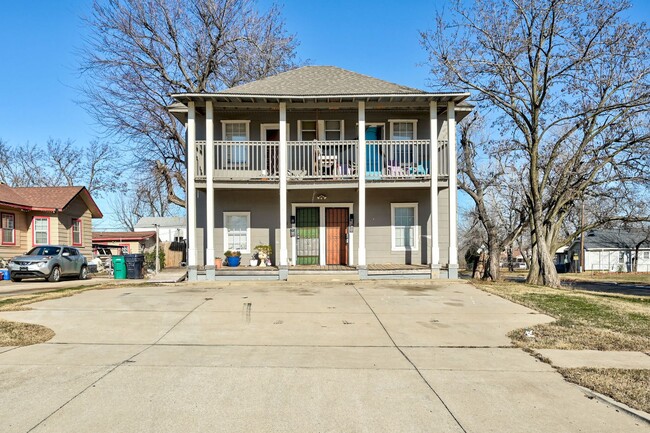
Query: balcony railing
[322,160]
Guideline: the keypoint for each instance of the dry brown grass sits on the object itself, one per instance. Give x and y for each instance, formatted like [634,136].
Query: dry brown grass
[631,387]
[586,320]
[620,277]
[23,334]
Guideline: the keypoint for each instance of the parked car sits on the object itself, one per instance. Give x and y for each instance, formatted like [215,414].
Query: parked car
[50,262]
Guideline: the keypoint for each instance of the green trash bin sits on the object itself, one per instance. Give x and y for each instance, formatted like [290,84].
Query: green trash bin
[119,268]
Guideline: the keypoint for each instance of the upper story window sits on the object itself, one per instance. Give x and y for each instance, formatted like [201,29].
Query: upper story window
[8,225]
[76,232]
[309,130]
[333,130]
[41,228]
[236,130]
[403,129]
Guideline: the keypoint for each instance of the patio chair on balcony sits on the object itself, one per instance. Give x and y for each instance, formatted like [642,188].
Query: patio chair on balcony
[324,164]
[395,170]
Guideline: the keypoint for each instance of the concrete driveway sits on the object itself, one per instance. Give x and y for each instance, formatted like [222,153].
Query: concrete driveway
[289,357]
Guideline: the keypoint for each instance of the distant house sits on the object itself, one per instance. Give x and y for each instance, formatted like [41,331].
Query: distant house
[45,215]
[613,250]
[124,242]
[170,229]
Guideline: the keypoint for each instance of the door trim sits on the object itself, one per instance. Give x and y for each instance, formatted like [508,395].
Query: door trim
[321,231]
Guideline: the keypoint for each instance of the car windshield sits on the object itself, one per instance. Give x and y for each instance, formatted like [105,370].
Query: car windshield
[44,251]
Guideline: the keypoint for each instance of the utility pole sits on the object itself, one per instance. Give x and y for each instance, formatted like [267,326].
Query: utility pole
[157,249]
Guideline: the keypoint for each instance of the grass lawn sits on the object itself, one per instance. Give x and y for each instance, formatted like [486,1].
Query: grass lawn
[587,320]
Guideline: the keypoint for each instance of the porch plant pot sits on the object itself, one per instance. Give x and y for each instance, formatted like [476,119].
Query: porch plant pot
[254,262]
[233,258]
[263,253]
[234,261]
[218,262]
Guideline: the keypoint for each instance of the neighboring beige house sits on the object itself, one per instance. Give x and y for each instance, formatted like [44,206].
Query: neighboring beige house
[46,215]
[329,167]
[124,242]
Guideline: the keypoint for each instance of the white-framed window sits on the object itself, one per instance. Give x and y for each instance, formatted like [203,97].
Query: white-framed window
[8,225]
[646,255]
[237,228]
[236,130]
[404,226]
[333,130]
[41,228]
[403,129]
[307,130]
[322,130]
[77,234]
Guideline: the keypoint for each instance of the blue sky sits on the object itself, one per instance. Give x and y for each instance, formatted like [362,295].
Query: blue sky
[42,38]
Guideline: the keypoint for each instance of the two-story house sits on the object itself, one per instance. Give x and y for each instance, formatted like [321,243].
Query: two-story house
[328,166]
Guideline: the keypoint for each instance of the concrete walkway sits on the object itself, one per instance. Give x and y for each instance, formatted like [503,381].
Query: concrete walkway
[378,356]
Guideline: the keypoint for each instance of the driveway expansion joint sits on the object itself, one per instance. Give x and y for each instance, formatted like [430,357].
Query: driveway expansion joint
[412,363]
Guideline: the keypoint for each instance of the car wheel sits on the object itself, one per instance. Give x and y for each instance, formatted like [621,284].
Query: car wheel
[16,280]
[83,274]
[55,275]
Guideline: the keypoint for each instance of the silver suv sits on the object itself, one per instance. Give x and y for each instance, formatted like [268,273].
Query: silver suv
[50,262]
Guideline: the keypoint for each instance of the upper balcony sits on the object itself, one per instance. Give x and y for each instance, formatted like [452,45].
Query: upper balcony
[322,161]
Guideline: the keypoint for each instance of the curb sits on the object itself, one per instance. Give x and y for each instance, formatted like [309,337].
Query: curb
[643,416]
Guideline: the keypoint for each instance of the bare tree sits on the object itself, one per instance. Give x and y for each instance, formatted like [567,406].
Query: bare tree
[61,163]
[483,176]
[146,197]
[141,51]
[568,80]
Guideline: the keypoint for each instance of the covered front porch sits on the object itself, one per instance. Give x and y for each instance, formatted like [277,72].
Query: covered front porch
[336,272]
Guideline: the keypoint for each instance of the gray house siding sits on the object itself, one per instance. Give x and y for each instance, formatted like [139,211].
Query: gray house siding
[349,117]
[264,219]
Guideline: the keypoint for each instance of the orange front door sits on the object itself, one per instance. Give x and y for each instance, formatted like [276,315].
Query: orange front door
[336,236]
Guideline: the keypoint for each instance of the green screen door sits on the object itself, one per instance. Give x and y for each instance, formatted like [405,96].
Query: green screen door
[307,241]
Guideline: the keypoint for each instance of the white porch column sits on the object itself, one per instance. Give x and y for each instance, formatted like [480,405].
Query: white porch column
[209,190]
[361,165]
[282,166]
[191,191]
[453,191]
[433,198]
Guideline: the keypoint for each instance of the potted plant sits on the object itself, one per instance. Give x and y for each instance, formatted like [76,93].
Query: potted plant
[263,253]
[233,258]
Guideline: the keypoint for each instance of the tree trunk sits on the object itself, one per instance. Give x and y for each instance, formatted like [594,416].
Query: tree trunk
[492,267]
[542,270]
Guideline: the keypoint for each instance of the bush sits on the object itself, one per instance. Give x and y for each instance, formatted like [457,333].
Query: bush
[150,259]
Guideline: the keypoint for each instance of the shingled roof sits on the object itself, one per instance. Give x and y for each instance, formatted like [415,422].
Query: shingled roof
[48,198]
[319,84]
[616,239]
[122,236]
[320,80]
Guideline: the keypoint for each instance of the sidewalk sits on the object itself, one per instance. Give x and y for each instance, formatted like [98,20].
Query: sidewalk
[169,275]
